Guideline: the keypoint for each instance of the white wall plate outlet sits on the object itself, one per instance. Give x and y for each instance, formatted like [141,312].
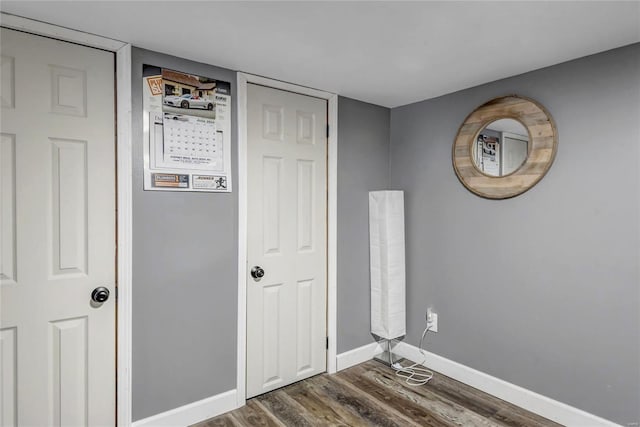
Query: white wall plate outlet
[432,320]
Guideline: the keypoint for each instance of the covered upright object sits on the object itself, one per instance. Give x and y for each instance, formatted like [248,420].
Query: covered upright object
[386,251]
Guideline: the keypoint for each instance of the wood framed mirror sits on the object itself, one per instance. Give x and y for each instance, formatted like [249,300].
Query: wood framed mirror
[505,147]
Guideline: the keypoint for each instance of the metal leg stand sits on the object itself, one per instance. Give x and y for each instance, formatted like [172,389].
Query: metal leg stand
[386,357]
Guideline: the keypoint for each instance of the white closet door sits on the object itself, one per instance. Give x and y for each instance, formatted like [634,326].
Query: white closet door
[287,227]
[58,233]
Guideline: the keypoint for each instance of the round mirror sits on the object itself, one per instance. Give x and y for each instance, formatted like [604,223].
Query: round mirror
[501,147]
[504,147]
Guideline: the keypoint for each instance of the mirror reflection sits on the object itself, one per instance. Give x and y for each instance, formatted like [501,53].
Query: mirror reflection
[501,148]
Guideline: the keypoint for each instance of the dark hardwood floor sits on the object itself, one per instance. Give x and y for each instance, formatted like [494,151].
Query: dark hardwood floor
[370,394]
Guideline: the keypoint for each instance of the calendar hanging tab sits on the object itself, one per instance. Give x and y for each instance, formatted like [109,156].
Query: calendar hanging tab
[187,130]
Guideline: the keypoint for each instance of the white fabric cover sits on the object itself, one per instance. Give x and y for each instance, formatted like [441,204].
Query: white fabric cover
[386,252]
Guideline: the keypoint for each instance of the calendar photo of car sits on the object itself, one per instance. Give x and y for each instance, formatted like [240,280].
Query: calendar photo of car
[192,95]
[188,101]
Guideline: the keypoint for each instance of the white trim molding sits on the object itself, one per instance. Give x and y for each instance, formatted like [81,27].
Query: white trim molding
[193,412]
[61,33]
[241,355]
[125,234]
[357,355]
[332,238]
[124,238]
[519,396]
[332,167]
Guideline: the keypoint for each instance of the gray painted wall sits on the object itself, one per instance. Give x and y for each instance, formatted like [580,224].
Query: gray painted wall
[363,166]
[185,258]
[184,275]
[541,290]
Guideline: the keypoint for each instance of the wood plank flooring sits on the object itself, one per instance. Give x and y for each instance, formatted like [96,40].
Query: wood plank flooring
[370,394]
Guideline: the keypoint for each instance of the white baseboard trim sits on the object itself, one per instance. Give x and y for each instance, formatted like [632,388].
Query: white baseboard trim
[357,355]
[519,396]
[193,412]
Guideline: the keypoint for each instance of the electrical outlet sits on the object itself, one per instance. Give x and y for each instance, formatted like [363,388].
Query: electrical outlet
[432,320]
[429,315]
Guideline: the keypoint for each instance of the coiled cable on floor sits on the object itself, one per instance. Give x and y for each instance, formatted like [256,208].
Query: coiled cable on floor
[416,374]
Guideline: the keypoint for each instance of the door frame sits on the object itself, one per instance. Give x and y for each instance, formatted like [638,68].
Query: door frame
[243,79]
[123,168]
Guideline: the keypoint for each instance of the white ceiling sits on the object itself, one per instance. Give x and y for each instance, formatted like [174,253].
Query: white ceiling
[386,53]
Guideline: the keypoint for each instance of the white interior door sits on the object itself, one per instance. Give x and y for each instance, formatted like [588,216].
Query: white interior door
[287,235]
[58,233]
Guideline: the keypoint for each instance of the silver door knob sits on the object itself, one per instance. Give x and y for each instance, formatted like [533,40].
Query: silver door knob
[100,294]
[257,273]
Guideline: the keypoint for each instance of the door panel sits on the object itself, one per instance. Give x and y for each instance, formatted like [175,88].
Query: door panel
[304,327]
[69,206]
[286,309]
[8,206]
[68,362]
[305,202]
[58,232]
[9,374]
[271,194]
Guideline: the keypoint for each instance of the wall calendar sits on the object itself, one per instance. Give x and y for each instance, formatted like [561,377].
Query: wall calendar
[187,132]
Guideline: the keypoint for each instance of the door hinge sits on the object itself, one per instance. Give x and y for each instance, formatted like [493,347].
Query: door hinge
[327,343]
[327,131]
[116,292]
